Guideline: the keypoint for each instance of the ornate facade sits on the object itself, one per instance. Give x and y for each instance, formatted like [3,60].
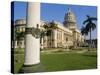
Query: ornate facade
[66,35]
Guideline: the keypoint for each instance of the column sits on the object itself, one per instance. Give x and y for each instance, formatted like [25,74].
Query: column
[55,38]
[42,43]
[46,42]
[62,34]
[15,44]
[32,44]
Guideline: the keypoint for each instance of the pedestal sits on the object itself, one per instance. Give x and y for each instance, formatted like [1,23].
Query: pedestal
[32,68]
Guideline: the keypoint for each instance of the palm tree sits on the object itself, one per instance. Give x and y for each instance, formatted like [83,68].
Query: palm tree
[53,25]
[43,33]
[49,26]
[48,30]
[46,26]
[90,25]
[84,32]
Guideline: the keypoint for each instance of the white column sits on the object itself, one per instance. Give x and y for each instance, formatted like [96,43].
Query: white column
[42,43]
[22,43]
[32,45]
[62,33]
[55,38]
[46,42]
[15,44]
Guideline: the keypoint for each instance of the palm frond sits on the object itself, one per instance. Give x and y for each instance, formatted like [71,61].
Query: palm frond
[53,25]
[19,35]
[89,19]
[45,26]
[43,34]
[93,26]
[84,31]
[93,18]
[85,21]
[88,27]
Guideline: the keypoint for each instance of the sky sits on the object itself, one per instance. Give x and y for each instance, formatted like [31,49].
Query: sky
[57,12]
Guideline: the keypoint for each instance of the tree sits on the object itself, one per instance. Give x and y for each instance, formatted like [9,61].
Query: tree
[19,36]
[49,26]
[89,26]
[43,33]
[48,31]
[84,32]
[53,25]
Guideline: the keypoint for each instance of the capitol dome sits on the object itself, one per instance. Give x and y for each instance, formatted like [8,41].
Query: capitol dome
[69,16]
[69,20]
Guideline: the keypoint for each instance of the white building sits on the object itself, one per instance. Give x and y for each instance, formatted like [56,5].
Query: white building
[66,35]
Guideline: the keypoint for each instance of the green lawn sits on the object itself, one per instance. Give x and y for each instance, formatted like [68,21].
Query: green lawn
[62,61]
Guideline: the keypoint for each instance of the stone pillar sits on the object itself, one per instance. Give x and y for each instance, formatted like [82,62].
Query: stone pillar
[62,34]
[32,44]
[46,42]
[42,43]
[55,38]
[23,44]
[15,44]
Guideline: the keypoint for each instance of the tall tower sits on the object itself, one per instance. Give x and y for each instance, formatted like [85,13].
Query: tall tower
[69,20]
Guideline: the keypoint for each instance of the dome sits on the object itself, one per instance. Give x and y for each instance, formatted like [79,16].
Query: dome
[69,16]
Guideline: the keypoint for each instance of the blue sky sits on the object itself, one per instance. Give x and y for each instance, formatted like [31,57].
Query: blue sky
[57,12]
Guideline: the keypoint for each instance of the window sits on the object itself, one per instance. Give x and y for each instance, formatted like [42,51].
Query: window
[66,39]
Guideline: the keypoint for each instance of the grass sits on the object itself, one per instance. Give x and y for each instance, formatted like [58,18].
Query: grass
[59,62]
[62,61]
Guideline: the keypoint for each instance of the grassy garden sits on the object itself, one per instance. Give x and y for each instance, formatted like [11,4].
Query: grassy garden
[61,61]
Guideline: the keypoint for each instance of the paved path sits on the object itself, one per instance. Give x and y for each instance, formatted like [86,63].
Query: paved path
[62,51]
